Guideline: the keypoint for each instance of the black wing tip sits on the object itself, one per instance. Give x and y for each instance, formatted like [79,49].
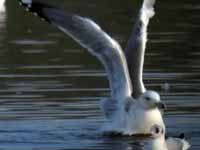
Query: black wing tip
[37,8]
[42,9]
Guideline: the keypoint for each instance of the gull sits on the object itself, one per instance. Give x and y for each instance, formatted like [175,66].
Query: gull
[158,140]
[129,109]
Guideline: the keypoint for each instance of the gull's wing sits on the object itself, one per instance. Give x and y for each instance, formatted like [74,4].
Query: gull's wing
[89,35]
[135,50]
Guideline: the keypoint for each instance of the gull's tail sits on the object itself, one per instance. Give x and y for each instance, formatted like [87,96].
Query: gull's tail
[177,144]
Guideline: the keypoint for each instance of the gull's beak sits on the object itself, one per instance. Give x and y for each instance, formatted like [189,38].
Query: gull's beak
[161,105]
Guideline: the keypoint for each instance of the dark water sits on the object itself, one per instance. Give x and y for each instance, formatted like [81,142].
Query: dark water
[50,86]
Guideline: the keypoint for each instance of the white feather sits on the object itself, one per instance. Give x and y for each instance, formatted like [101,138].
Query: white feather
[158,141]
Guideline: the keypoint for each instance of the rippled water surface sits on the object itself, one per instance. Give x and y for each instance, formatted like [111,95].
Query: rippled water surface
[50,86]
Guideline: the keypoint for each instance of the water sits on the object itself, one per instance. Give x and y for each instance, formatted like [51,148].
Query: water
[50,86]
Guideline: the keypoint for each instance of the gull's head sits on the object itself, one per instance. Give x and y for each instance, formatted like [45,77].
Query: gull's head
[151,100]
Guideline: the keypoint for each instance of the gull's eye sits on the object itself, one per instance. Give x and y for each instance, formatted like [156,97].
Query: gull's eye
[147,98]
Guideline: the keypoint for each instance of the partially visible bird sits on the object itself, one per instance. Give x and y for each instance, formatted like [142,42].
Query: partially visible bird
[159,142]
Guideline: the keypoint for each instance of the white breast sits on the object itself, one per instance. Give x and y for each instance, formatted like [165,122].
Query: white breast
[140,120]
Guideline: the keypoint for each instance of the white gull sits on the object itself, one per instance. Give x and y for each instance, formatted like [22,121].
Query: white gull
[127,111]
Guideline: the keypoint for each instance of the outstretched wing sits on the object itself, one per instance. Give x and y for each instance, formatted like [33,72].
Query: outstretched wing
[135,50]
[89,35]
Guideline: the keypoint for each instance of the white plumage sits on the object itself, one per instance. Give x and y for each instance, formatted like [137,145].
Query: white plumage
[159,142]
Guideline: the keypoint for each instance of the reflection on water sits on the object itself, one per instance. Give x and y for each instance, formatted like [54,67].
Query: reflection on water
[50,87]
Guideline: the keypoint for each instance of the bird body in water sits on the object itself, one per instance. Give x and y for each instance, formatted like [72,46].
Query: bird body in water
[135,117]
[158,140]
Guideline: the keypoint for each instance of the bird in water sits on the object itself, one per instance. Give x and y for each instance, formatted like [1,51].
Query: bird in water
[130,109]
[158,140]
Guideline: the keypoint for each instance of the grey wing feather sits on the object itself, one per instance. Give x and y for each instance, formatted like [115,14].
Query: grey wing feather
[135,50]
[89,35]
[108,107]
